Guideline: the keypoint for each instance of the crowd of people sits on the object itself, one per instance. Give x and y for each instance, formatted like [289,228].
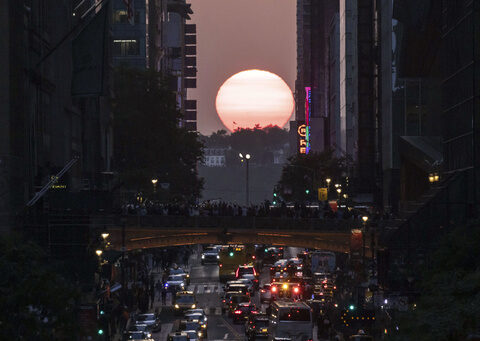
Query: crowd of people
[322,210]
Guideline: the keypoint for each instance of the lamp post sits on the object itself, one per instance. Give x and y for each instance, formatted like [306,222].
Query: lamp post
[365,219]
[154,183]
[247,159]
[339,191]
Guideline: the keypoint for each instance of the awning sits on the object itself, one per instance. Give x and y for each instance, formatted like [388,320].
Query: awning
[424,151]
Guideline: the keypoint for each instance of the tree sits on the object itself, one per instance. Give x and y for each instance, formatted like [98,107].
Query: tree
[259,142]
[304,173]
[149,143]
[36,303]
[449,305]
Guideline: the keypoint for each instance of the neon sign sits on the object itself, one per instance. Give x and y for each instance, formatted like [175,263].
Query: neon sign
[308,110]
[302,133]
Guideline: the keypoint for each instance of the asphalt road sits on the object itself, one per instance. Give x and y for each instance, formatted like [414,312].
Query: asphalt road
[205,284]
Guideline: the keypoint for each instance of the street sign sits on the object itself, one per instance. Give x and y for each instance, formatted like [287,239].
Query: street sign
[323,194]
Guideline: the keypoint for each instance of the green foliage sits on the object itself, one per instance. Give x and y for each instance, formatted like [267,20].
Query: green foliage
[258,142]
[303,174]
[148,140]
[35,302]
[449,308]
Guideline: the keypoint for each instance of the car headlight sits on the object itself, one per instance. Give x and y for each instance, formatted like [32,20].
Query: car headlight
[177,306]
[206,319]
[204,326]
[203,256]
[149,335]
[200,334]
[218,257]
[182,284]
[193,306]
[188,276]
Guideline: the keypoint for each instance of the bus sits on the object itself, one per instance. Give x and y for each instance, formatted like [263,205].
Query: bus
[230,257]
[290,320]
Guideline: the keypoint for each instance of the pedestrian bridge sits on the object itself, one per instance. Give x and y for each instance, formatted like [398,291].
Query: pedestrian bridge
[151,231]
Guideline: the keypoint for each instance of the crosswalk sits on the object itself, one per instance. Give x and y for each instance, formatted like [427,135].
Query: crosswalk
[205,288]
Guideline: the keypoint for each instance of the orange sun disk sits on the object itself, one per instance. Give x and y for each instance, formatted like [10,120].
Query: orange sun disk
[254,97]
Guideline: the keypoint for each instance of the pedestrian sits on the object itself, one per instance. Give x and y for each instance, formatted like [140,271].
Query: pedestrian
[164,296]
[158,288]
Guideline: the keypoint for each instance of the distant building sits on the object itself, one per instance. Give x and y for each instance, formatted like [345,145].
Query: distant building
[214,157]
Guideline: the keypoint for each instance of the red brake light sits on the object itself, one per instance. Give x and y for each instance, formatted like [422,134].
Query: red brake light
[262,290]
[274,289]
[220,265]
[253,257]
[254,272]
[238,312]
[223,301]
[236,272]
[296,290]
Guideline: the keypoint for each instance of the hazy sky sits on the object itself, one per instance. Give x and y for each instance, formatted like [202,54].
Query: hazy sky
[234,35]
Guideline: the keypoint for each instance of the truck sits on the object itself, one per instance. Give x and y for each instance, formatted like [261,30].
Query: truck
[323,261]
[230,257]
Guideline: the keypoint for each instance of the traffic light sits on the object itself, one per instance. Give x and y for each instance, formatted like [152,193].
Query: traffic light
[100,332]
[307,191]
[231,253]
[274,202]
[351,307]
[275,194]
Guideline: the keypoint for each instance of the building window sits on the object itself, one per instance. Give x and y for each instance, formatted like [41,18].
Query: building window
[126,47]
[120,17]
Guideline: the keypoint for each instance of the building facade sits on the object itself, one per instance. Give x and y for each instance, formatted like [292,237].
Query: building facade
[160,38]
[44,126]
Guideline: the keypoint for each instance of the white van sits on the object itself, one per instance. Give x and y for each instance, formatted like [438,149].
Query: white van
[290,320]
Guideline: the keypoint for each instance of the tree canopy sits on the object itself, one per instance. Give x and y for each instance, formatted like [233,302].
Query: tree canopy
[449,305]
[258,142]
[304,173]
[149,142]
[36,303]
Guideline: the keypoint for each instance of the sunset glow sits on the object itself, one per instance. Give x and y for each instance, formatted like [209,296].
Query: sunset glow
[254,97]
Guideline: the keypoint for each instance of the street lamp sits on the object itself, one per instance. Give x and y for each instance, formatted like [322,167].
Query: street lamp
[328,180]
[247,159]
[99,252]
[365,219]
[154,183]
[105,235]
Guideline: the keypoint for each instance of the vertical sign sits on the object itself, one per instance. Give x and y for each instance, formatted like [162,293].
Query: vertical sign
[308,111]
[323,193]
[302,142]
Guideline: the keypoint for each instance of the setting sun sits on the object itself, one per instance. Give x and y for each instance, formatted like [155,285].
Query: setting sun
[254,97]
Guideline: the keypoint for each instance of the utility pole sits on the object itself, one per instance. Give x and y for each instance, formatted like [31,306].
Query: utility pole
[247,189]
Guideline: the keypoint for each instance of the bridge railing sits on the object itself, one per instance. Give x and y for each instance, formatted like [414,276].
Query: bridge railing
[237,222]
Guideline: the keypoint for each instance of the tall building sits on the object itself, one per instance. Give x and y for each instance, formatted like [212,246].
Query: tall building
[336,91]
[461,98]
[43,125]
[159,38]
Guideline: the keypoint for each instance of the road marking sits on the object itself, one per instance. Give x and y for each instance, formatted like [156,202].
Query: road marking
[229,327]
[226,336]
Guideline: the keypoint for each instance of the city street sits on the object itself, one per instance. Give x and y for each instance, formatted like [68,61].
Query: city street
[208,291]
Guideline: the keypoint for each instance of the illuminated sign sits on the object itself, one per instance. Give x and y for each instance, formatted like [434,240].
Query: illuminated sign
[302,133]
[308,111]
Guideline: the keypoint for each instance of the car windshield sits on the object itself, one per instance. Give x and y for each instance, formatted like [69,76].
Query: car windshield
[194,316]
[174,278]
[138,327]
[244,271]
[145,317]
[190,325]
[261,323]
[239,299]
[176,271]
[185,299]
